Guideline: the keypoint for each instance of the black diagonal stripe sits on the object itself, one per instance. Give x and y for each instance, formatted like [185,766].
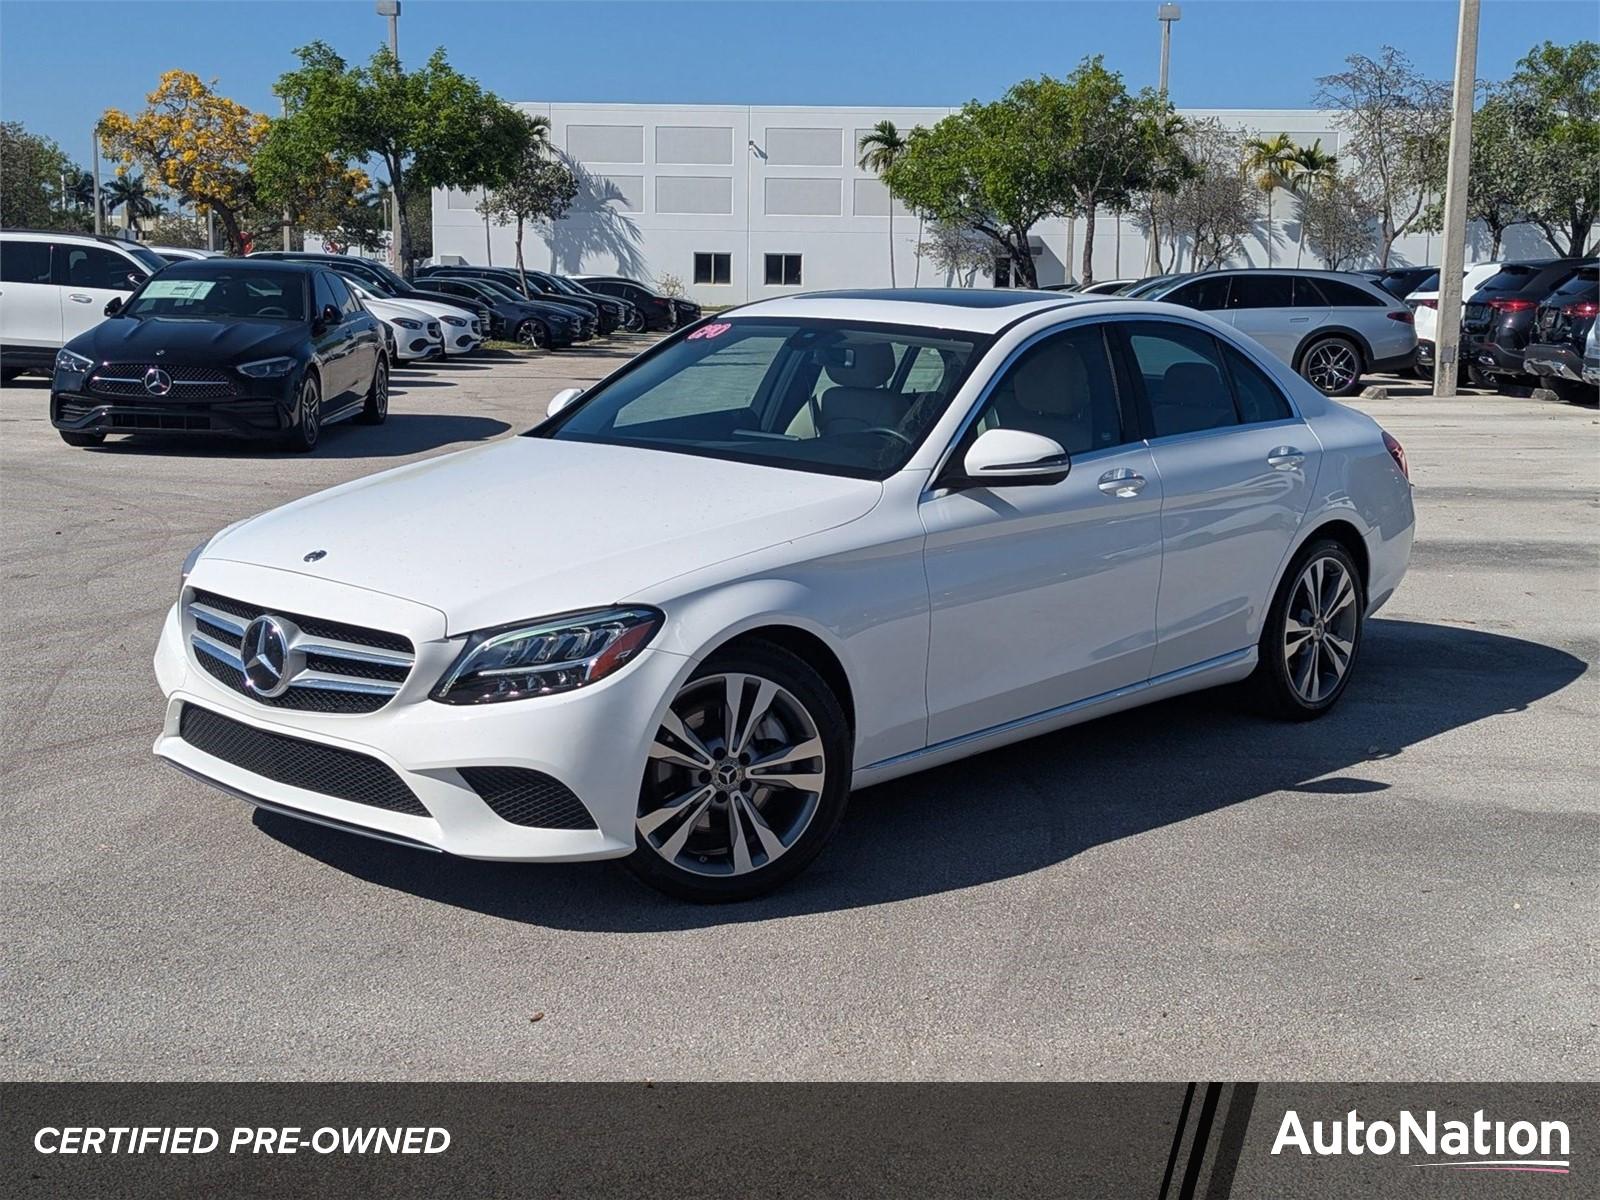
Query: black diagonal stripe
[1202,1136]
[1231,1144]
[1177,1140]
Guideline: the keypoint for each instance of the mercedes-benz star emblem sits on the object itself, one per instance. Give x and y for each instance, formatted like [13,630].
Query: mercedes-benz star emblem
[265,650]
[316,556]
[157,382]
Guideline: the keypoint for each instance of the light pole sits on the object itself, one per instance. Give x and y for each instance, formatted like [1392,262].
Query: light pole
[391,9]
[99,200]
[1453,255]
[1166,14]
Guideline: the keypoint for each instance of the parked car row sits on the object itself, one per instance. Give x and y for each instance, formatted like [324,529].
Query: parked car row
[167,338]
[1521,323]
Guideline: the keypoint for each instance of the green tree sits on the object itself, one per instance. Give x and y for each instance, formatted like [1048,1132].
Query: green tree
[880,148]
[1311,168]
[432,127]
[133,197]
[539,187]
[1270,164]
[1556,94]
[1337,222]
[1164,167]
[994,168]
[1397,123]
[31,168]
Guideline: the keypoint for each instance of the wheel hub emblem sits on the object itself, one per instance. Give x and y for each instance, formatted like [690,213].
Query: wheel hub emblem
[157,382]
[265,650]
[726,775]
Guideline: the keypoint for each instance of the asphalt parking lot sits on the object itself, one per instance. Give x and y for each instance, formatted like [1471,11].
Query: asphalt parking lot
[1406,889]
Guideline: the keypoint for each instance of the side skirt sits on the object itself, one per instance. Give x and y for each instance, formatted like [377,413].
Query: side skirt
[1226,668]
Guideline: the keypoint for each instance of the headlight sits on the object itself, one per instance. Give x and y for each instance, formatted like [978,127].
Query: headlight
[266,368]
[515,662]
[458,322]
[407,323]
[71,370]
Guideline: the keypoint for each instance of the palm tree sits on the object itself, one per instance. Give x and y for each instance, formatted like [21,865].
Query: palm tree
[129,193]
[1270,161]
[80,189]
[880,148]
[1311,166]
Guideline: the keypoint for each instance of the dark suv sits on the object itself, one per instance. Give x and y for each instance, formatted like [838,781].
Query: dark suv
[659,312]
[1498,318]
[1560,328]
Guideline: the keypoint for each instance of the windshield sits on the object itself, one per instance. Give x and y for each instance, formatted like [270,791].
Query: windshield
[563,285]
[203,292]
[152,261]
[831,396]
[496,288]
[362,286]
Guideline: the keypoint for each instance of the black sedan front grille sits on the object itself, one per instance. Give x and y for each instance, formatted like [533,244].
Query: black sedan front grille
[127,381]
[311,766]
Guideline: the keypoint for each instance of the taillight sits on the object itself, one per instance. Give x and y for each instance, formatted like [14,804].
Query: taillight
[1404,316]
[1396,452]
[1511,305]
[1587,308]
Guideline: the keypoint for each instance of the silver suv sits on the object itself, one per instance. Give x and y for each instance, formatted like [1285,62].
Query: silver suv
[1330,327]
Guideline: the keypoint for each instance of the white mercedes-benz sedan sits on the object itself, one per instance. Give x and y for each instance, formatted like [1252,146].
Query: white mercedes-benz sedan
[803,547]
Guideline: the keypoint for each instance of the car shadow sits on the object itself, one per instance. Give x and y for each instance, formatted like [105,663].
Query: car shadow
[401,435]
[1029,806]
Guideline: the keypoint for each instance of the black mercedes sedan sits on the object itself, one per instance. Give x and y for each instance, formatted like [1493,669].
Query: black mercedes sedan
[264,350]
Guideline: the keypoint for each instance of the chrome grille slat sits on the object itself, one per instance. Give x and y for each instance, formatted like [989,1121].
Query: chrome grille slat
[376,668]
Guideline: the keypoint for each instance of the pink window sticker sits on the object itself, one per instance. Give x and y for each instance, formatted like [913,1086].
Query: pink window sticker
[709,331]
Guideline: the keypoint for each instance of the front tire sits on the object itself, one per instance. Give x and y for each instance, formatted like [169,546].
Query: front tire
[307,430]
[1313,634]
[533,333]
[747,779]
[376,409]
[636,323]
[1333,366]
[81,439]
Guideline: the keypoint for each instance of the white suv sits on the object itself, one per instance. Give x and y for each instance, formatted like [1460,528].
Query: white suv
[54,286]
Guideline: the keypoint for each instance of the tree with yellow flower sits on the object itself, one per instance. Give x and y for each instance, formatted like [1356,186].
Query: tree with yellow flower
[198,143]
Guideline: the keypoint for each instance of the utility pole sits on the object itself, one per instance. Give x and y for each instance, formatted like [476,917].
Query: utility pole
[1166,14]
[286,238]
[99,200]
[1453,257]
[391,9]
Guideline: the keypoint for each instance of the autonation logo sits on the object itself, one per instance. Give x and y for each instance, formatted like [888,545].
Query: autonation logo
[1476,1145]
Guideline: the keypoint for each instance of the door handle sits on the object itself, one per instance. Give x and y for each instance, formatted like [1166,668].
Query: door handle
[1122,483]
[80,298]
[1298,320]
[1285,458]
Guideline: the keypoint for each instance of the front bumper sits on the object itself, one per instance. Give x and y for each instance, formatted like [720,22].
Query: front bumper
[594,741]
[262,408]
[418,348]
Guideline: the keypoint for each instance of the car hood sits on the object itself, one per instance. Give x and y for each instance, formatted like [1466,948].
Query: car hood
[527,527]
[186,340]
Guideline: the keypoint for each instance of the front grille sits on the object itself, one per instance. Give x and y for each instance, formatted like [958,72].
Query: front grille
[326,770]
[188,383]
[530,798]
[339,668]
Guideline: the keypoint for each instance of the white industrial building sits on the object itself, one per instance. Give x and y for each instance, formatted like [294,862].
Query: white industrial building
[740,203]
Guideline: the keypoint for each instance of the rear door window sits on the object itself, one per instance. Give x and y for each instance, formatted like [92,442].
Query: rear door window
[1261,291]
[92,267]
[1258,398]
[25,262]
[1184,377]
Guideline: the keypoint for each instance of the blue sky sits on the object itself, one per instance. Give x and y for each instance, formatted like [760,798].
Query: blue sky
[64,61]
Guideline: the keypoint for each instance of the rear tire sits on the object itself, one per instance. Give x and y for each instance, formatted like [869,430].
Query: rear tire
[376,410]
[81,439]
[743,835]
[1333,366]
[533,333]
[1312,637]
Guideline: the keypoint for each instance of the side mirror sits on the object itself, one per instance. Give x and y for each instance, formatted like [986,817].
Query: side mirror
[330,315]
[1012,458]
[561,399]
[113,306]
[136,280]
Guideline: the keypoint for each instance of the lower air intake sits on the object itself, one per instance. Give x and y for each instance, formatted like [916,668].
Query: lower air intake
[530,798]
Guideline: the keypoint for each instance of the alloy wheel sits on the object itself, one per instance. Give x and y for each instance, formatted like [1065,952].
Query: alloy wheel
[1319,629]
[736,775]
[380,390]
[1332,367]
[531,333]
[310,413]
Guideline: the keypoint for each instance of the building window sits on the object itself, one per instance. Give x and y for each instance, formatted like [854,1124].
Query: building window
[783,270]
[713,268]
[1002,272]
